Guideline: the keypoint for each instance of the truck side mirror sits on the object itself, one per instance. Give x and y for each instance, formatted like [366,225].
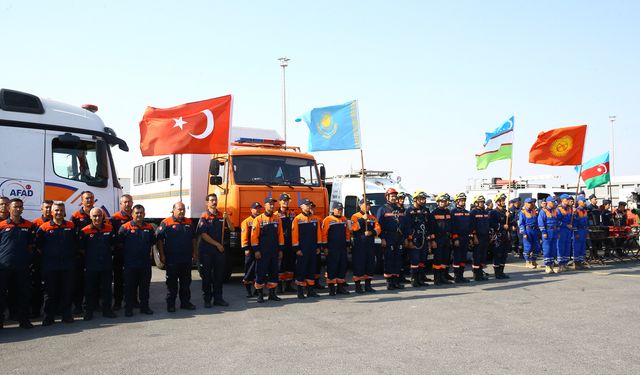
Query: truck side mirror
[215,180]
[323,172]
[214,167]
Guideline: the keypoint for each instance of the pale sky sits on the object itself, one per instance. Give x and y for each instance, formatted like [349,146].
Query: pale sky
[430,76]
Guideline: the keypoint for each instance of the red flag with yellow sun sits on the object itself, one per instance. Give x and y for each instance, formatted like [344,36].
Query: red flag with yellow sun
[562,146]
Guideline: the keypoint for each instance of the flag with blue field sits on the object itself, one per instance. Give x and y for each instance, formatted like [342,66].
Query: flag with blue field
[333,128]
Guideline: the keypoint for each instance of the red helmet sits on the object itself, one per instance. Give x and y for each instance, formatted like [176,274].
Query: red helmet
[390,191]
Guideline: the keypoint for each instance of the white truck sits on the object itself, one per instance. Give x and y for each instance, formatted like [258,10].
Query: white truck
[522,189]
[52,150]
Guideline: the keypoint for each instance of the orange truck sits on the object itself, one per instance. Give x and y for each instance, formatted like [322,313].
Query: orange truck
[258,165]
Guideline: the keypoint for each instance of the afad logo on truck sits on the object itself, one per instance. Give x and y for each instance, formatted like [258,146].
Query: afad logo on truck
[15,189]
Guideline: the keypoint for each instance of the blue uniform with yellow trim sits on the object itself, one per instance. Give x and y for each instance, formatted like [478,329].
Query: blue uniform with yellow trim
[502,244]
[528,225]
[565,233]
[548,224]
[580,233]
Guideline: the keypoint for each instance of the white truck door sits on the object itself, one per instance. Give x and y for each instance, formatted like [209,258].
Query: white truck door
[21,170]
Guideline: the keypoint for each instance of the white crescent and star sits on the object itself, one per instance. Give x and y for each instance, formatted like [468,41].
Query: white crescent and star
[179,123]
[602,168]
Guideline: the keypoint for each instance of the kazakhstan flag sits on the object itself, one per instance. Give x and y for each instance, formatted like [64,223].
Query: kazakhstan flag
[333,128]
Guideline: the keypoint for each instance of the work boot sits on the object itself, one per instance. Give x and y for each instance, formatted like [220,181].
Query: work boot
[549,269]
[414,280]
[399,282]
[280,287]
[88,315]
[146,310]
[247,287]
[421,278]
[260,295]
[496,273]
[403,280]
[477,275]
[25,324]
[311,291]
[332,289]
[288,288]
[437,280]
[447,276]
[47,321]
[207,304]
[534,264]
[273,296]
[460,276]
[342,289]
[301,292]
[585,266]
[561,268]
[359,289]
[109,314]
[367,286]
[390,284]
[117,305]
[504,275]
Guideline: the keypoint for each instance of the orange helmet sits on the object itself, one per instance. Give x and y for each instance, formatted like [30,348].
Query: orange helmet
[390,191]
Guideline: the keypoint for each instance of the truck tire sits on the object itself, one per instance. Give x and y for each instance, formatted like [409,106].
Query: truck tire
[156,258]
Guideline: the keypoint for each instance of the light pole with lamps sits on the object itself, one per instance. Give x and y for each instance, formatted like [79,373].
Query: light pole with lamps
[284,62]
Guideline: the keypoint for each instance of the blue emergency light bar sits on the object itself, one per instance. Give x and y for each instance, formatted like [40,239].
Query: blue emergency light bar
[260,141]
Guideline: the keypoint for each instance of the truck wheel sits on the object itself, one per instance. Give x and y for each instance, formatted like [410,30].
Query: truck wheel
[156,258]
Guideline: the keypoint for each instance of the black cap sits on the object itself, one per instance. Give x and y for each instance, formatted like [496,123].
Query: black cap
[582,192]
[269,200]
[592,196]
[256,205]
[606,201]
[337,205]
[284,196]
[621,203]
[307,201]
[361,201]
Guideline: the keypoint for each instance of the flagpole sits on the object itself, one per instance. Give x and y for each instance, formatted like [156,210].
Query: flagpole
[513,129]
[181,177]
[364,188]
[577,190]
[226,198]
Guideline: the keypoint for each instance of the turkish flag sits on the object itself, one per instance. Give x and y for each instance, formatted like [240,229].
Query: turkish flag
[193,128]
[562,146]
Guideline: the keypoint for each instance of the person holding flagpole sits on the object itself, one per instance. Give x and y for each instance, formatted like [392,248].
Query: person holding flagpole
[500,226]
[365,228]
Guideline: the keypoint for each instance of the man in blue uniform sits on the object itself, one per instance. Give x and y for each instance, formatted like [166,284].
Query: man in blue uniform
[267,241]
[117,220]
[137,238]
[306,239]
[461,226]
[391,220]
[480,225]
[581,225]
[336,238]
[80,220]
[528,224]
[500,226]
[96,243]
[211,253]
[16,240]
[548,224]
[417,228]
[176,243]
[514,234]
[57,241]
[565,232]
[365,228]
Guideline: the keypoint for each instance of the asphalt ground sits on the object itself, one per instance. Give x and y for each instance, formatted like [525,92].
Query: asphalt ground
[574,323]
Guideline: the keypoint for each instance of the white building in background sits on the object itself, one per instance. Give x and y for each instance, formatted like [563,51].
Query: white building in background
[621,188]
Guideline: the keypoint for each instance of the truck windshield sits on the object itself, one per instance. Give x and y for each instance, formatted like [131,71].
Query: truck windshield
[274,170]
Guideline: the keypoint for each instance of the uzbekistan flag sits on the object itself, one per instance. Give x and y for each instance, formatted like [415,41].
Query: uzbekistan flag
[595,172]
[498,145]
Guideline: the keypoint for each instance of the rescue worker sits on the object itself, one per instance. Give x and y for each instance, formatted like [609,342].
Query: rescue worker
[16,243]
[461,228]
[528,224]
[246,227]
[336,238]
[441,242]
[306,239]
[137,238]
[365,228]
[4,208]
[514,232]
[117,220]
[37,289]
[417,227]
[80,220]
[489,205]
[96,243]
[288,262]
[57,242]
[211,252]
[406,262]
[267,241]
[548,224]
[500,225]
[318,270]
[580,233]
[480,224]
[176,244]
[595,219]
[620,215]
[391,220]
[565,232]
[606,219]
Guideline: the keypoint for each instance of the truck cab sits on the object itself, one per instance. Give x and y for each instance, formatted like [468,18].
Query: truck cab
[53,150]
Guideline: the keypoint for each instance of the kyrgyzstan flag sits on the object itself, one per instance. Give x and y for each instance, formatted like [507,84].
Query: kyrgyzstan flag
[562,146]
[193,128]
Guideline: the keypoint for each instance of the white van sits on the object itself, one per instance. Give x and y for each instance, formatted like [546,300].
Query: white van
[52,150]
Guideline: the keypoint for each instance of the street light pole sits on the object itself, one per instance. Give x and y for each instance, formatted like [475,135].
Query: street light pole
[284,62]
